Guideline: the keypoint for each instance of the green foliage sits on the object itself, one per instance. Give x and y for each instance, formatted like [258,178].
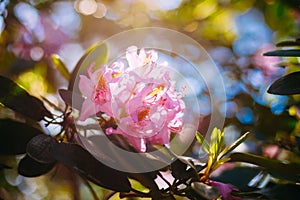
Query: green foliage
[284,53]
[279,169]
[16,98]
[216,150]
[60,66]
[71,156]
[39,149]
[31,168]
[15,136]
[289,84]
[286,85]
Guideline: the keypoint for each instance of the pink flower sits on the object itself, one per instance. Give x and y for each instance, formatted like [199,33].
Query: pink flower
[142,99]
[145,103]
[225,190]
[96,91]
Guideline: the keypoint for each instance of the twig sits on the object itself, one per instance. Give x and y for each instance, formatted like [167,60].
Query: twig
[90,188]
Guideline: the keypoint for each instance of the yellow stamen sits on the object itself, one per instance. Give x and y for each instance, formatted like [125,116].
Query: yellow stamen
[101,82]
[156,91]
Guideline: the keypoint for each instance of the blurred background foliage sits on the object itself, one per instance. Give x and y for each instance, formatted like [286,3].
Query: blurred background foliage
[234,32]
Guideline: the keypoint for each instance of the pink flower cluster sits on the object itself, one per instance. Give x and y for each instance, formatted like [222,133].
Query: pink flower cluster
[141,98]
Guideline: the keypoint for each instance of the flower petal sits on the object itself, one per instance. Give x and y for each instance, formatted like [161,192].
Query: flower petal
[88,108]
[138,143]
[85,86]
[132,57]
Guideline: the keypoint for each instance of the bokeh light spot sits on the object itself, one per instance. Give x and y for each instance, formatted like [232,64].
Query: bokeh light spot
[27,15]
[191,26]
[36,53]
[204,9]
[87,7]
[101,10]
[245,115]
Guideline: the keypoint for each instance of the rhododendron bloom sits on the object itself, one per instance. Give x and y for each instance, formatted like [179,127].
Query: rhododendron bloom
[96,91]
[143,100]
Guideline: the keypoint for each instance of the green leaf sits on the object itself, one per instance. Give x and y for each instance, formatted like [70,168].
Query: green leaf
[16,98]
[202,142]
[284,53]
[15,136]
[281,191]
[287,85]
[60,66]
[234,145]
[81,161]
[38,148]
[279,169]
[30,168]
[220,142]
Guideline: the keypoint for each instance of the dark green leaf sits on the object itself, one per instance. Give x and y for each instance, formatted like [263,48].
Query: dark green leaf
[103,150]
[238,176]
[283,191]
[206,191]
[38,148]
[31,168]
[284,53]
[287,85]
[178,169]
[142,162]
[67,96]
[283,170]
[234,145]
[80,160]
[15,136]
[16,98]
[183,169]
[288,43]
[4,166]
[278,191]
[298,142]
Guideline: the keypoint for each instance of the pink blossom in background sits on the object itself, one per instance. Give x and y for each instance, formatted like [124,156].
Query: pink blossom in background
[38,33]
[267,64]
[225,190]
[38,43]
[141,98]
